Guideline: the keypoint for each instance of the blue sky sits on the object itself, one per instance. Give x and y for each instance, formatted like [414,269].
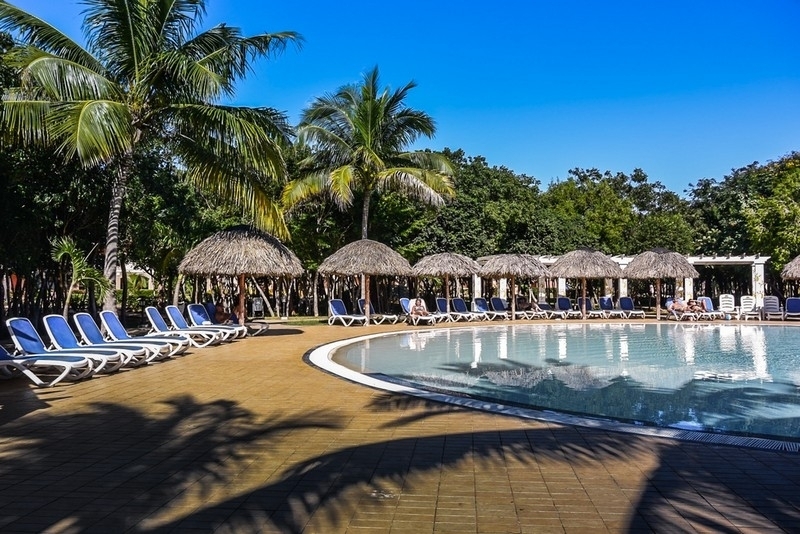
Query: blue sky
[683,89]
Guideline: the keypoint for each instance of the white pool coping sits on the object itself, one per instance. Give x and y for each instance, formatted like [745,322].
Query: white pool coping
[321,357]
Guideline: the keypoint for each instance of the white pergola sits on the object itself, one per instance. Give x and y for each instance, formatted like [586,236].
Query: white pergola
[686,285]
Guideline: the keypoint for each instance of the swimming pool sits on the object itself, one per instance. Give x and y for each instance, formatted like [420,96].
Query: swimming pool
[728,378]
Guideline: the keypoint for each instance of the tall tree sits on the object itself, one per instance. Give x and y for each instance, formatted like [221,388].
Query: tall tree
[147,72]
[358,138]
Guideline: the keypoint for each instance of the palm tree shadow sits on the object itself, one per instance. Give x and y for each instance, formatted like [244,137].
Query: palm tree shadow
[126,458]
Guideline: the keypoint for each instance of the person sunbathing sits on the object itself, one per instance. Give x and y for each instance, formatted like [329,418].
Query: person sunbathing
[419,308]
[678,305]
[696,306]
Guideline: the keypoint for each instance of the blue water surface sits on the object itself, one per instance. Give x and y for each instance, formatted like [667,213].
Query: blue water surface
[719,377]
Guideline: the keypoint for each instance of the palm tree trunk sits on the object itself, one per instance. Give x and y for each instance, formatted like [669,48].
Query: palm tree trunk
[112,230]
[365,214]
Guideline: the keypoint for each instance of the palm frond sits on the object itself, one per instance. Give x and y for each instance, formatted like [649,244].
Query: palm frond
[309,186]
[340,184]
[97,131]
[62,79]
[429,187]
[236,134]
[36,32]
[25,118]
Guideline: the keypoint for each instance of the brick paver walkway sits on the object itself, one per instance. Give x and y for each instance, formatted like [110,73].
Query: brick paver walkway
[249,438]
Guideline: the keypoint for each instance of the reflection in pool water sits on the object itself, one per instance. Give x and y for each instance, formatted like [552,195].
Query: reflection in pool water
[731,378]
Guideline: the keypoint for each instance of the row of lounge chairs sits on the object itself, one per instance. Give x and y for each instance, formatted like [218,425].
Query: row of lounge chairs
[107,350]
[747,309]
[481,311]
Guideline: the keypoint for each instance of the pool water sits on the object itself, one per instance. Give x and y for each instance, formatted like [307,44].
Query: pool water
[731,378]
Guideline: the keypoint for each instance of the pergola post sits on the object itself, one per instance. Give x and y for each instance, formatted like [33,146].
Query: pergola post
[758,283]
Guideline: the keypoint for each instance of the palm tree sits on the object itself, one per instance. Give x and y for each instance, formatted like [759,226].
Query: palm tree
[358,138]
[147,74]
[80,270]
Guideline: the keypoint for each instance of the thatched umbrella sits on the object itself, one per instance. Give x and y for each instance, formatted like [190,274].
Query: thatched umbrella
[791,271]
[585,263]
[365,257]
[659,263]
[241,251]
[513,266]
[444,265]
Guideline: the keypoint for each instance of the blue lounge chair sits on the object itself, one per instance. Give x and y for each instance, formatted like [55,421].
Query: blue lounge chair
[106,360]
[36,366]
[549,312]
[628,308]
[198,337]
[28,341]
[376,316]
[133,354]
[607,305]
[591,312]
[338,312]
[564,305]
[499,305]
[792,312]
[93,337]
[483,307]
[460,307]
[708,310]
[405,305]
[199,316]
[115,330]
[443,309]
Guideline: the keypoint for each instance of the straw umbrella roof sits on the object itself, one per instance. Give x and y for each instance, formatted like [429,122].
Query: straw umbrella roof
[241,250]
[661,263]
[791,271]
[513,266]
[365,257]
[446,264]
[586,263]
[516,265]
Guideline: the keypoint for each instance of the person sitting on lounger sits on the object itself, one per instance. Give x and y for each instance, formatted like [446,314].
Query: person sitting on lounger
[220,315]
[678,305]
[419,308]
[696,306]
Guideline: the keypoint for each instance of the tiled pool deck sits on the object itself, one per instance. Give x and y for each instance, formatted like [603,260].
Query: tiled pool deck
[249,438]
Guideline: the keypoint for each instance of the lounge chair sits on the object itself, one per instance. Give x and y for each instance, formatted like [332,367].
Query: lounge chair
[590,311]
[772,308]
[92,336]
[709,312]
[199,337]
[499,305]
[405,305]
[607,305]
[629,308]
[549,311]
[460,307]
[483,307]
[199,316]
[175,344]
[727,305]
[747,308]
[564,305]
[679,315]
[28,341]
[36,366]
[378,317]
[338,312]
[106,360]
[446,314]
[792,312]
[179,323]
